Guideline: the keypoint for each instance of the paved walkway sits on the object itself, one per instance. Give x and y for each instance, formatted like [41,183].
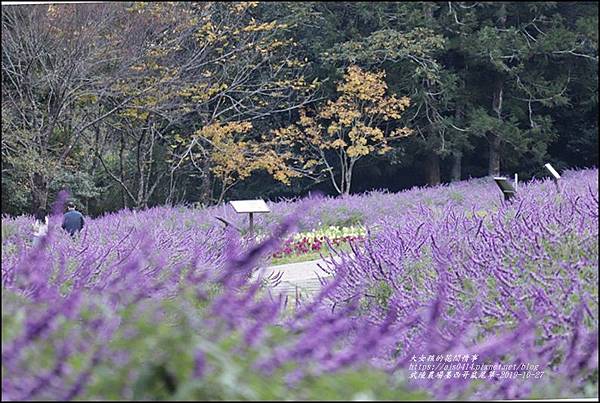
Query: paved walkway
[300,279]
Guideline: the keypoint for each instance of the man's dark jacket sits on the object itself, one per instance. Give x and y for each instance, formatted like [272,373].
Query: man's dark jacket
[72,222]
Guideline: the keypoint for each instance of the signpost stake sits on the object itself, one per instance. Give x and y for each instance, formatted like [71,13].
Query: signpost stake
[251,226]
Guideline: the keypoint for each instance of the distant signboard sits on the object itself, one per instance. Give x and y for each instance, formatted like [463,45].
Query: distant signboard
[250,206]
[552,171]
[555,176]
[507,189]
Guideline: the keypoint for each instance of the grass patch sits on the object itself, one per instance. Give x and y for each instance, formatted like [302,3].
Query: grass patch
[306,257]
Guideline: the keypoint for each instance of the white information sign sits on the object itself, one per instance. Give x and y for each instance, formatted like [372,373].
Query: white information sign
[552,171]
[250,206]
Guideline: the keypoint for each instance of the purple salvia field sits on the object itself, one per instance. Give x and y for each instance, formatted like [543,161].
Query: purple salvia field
[452,270]
[529,267]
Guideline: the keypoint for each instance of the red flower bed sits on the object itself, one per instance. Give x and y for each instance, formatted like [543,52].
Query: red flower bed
[306,245]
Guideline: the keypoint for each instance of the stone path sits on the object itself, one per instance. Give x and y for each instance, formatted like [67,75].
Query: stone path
[298,278]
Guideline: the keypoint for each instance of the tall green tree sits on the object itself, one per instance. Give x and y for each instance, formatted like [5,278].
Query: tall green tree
[521,57]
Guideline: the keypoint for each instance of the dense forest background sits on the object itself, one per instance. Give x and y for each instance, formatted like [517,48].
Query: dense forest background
[141,104]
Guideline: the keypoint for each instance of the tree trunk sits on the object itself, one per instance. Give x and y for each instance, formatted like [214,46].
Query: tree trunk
[221,194]
[348,177]
[206,188]
[432,168]
[39,199]
[169,199]
[141,170]
[121,171]
[494,155]
[455,174]
[494,139]
[459,115]
[347,184]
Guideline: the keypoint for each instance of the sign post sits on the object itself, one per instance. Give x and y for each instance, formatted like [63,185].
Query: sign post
[250,207]
[555,175]
[507,189]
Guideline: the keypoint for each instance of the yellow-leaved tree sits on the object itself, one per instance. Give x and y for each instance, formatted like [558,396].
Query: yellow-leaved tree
[330,140]
[234,156]
[200,65]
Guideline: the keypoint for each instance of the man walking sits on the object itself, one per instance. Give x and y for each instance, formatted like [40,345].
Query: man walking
[72,220]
